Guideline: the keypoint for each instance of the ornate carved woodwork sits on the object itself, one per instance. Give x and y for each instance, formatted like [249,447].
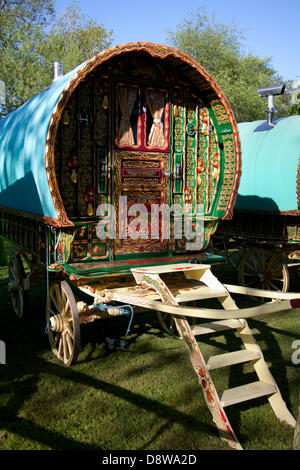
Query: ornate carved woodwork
[140,129]
[139,179]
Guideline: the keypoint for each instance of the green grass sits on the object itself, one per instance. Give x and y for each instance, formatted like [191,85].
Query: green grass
[144,398]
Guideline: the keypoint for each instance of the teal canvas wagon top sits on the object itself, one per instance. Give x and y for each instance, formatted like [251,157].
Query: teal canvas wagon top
[270,165]
[23,136]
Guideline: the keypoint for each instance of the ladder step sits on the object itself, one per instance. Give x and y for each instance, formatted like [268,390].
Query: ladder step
[198,293]
[246,392]
[228,359]
[213,327]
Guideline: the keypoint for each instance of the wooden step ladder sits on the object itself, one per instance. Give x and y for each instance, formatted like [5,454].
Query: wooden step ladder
[251,352]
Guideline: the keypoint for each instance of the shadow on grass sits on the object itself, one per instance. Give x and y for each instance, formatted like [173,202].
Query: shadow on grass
[22,391]
[19,379]
[26,340]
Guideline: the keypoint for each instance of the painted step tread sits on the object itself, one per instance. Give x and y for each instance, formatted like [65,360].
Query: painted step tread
[170,268]
[228,359]
[246,392]
[212,327]
[198,293]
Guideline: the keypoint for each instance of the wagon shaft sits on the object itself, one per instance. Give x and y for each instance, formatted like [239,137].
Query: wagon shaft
[91,313]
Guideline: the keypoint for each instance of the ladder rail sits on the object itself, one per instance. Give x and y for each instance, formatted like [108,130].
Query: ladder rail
[231,317]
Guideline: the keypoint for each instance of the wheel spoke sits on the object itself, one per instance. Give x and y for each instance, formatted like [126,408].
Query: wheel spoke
[69,332]
[56,338]
[254,263]
[274,287]
[270,263]
[12,270]
[60,347]
[69,344]
[65,309]
[59,298]
[252,268]
[54,300]
[263,261]
[66,357]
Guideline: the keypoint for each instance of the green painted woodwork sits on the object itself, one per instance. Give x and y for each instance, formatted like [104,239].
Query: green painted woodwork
[95,270]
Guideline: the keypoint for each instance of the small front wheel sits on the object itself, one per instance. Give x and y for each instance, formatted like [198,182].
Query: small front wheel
[16,274]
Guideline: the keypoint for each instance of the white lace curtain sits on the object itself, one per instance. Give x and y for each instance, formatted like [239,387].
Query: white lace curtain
[156,103]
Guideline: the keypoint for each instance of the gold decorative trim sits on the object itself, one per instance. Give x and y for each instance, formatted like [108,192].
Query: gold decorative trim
[155,50]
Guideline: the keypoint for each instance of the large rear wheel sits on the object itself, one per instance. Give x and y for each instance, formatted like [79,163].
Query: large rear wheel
[261,268]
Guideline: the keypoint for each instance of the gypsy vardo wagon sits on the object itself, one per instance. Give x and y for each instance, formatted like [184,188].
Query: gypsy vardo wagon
[139,126]
[262,240]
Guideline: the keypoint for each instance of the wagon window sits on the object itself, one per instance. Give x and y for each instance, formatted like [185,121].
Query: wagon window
[141,118]
[127,115]
[155,134]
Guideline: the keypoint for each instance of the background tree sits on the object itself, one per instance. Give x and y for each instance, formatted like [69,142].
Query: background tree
[295,108]
[72,39]
[32,37]
[22,23]
[219,49]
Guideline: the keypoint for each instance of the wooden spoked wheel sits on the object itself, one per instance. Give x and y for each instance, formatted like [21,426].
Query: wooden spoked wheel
[63,323]
[263,269]
[16,289]
[234,256]
[228,248]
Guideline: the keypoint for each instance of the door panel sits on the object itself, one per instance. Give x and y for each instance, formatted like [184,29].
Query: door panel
[140,179]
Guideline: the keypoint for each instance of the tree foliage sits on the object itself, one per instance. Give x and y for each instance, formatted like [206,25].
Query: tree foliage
[32,37]
[295,108]
[73,39]
[219,49]
[22,16]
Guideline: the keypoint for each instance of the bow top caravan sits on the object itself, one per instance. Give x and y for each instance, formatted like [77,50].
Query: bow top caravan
[107,178]
[138,123]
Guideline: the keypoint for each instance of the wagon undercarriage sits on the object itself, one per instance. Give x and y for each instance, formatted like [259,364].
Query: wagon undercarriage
[166,290]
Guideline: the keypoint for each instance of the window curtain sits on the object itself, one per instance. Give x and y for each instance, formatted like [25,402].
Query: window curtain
[126,98]
[156,103]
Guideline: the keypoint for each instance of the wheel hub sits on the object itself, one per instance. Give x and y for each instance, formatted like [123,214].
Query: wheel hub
[57,323]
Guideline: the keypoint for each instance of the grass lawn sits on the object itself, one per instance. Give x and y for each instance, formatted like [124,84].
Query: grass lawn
[144,398]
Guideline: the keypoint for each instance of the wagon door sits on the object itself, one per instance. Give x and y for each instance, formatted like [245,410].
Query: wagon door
[141,168]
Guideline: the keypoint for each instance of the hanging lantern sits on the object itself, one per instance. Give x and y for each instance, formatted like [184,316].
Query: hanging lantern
[89,198]
[105,102]
[66,118]
[200,170]
[216,166]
